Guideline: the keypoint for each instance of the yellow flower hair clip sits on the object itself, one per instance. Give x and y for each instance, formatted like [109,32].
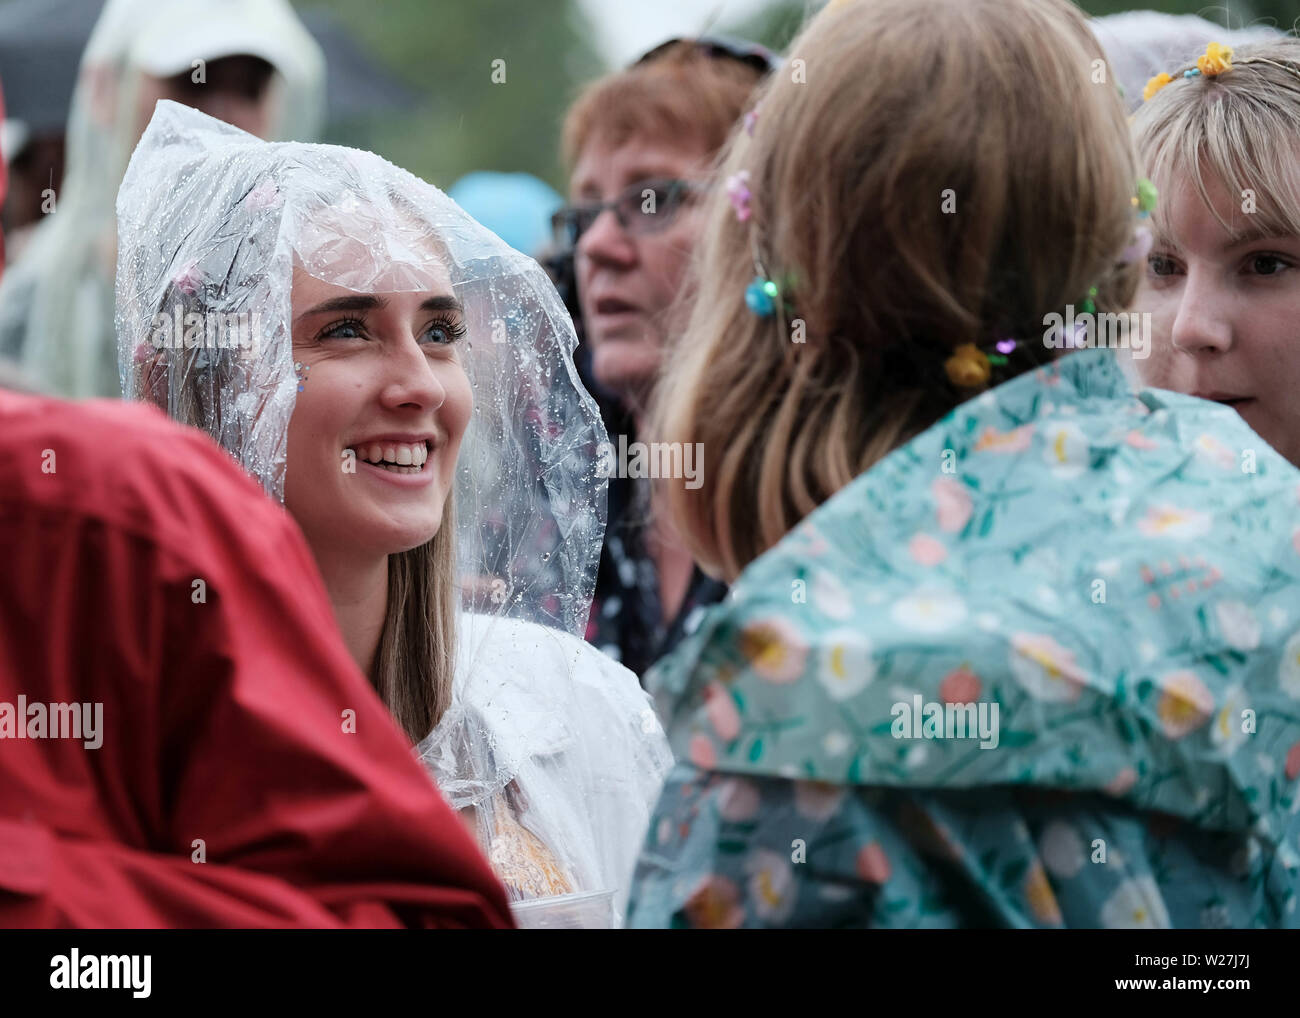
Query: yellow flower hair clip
[1155,84]
[968,367]
[1216,60]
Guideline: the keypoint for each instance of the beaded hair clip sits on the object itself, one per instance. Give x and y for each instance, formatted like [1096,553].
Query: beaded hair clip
[1216,60]
[971,366]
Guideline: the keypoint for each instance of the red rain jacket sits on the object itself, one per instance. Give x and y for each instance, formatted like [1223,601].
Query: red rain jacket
[141,570]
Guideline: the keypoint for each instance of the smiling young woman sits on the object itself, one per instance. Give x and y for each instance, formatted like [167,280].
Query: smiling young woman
[444,485]
[381,384]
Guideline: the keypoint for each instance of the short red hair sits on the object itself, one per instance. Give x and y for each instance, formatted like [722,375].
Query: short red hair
[683,92]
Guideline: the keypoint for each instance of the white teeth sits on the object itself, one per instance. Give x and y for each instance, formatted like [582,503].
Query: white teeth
[406,459]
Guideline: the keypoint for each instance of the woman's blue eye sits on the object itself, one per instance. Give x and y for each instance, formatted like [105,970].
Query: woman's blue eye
[340,330]
[445,332]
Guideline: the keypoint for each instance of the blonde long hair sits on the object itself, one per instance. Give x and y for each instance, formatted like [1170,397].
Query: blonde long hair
[415,660]
[879,122]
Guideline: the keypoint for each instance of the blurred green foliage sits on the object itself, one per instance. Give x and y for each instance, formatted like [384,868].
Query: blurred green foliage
[462,120]
[1230,13]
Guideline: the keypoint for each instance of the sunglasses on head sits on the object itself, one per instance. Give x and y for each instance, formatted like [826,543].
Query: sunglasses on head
[751,54]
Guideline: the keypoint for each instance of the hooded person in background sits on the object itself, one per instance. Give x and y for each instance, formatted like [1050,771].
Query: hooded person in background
[4,183]
[151,774]
[248,62]
[9,375]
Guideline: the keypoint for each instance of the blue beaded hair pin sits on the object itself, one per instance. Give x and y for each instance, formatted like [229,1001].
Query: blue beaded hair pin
[761,295]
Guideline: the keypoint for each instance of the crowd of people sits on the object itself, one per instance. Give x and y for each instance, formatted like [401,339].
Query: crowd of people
[968,592]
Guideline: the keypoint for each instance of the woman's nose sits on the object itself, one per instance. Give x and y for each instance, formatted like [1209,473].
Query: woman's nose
[1203,324]
[607,242]
[411,379]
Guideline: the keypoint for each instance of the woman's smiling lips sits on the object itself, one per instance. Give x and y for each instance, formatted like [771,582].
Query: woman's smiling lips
[400,459]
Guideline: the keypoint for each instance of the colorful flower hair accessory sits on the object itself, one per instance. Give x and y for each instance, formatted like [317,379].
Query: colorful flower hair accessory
[1155,84]
[968,367]
[1216,59]
[739,193]
[1139,247]
[189,279]
[1145,199]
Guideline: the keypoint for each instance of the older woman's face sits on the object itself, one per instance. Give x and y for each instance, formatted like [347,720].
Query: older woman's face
[1225,314]
[628,282]
[377,426]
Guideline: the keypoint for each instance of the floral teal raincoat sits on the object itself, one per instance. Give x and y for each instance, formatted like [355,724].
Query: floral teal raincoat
[1039,667]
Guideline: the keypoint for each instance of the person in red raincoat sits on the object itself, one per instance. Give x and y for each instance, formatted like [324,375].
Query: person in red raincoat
[219,760]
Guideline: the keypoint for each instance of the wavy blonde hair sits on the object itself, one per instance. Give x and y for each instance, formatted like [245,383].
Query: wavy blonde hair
[1240,128]
[850,168]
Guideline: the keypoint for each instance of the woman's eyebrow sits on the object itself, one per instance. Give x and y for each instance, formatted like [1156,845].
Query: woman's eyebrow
[361,302]
[1257,231]
[443,304]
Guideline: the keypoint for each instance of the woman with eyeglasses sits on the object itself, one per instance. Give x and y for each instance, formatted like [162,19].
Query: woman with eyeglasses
[641,143]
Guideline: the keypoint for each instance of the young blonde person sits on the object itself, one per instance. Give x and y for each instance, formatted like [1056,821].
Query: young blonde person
[1223,276]
[1011,642]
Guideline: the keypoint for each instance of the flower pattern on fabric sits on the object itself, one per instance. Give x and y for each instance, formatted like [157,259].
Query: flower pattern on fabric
[1119,604]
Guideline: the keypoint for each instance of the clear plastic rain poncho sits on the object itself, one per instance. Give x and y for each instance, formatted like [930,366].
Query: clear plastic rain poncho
[546,740]
[56,305]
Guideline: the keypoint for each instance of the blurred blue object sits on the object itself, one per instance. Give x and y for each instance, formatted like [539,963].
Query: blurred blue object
[517,207]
